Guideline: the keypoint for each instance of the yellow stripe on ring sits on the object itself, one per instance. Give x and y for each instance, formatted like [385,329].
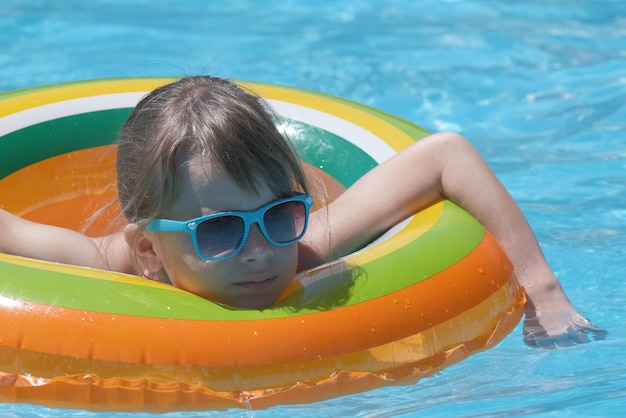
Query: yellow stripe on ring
[47,95]
[389,133]
[419,224]
[83,272]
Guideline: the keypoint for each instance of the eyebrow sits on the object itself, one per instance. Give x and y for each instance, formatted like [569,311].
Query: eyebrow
[213,212]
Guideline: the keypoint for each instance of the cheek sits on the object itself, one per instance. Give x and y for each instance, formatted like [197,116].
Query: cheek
[189,272]
[177,255]
[288,259]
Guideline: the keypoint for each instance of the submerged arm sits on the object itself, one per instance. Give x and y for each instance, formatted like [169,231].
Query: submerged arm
[446,166]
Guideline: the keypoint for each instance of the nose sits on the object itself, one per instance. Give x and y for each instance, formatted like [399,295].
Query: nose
[256,247]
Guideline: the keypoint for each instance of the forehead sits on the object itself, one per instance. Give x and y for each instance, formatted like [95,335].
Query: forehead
[206,187]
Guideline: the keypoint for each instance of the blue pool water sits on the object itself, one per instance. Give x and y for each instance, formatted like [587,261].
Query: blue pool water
[538,86]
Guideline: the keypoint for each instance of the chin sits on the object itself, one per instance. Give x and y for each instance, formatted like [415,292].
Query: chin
[258,304]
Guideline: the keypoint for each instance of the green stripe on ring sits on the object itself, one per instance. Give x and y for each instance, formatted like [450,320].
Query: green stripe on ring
[122,298]
[59,136]
[338,157]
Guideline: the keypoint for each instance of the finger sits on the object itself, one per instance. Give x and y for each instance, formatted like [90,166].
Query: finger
[545,343]
[577,335]
[531,342]
[599,334]
[585,326]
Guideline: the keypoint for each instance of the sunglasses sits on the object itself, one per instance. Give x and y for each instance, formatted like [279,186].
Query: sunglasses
[222,235]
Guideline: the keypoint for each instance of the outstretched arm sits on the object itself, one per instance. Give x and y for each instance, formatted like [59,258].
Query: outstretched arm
[446,166]
[44,242]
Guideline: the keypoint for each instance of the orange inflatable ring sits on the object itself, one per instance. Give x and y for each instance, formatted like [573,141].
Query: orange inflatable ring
[427,294]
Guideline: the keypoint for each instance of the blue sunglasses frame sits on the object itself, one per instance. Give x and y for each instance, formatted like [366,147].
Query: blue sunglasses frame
[249,217]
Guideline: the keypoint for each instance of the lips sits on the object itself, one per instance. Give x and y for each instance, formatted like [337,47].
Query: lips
[258,284]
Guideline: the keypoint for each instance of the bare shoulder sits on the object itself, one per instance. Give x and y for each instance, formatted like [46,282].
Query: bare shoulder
[116,253]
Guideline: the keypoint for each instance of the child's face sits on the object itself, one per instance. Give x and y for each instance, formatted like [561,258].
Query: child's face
[255,277]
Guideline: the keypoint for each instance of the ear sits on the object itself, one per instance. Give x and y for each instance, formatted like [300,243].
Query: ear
[141,243]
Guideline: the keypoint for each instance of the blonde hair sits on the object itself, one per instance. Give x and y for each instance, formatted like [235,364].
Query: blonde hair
[200,115]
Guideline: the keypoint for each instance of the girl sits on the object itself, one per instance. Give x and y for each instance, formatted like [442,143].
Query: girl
[203,151]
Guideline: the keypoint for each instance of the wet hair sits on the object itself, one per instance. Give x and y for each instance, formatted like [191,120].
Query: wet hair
[200,115]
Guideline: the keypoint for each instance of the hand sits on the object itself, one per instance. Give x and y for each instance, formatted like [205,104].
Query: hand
[564,327]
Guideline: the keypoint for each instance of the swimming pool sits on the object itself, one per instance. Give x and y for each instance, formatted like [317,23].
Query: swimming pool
[538,86]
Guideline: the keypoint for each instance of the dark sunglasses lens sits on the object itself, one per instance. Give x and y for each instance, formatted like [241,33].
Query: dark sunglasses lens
[219,236]
[285,222]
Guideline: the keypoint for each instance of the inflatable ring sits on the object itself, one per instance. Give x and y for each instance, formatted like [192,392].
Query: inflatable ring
[427,294]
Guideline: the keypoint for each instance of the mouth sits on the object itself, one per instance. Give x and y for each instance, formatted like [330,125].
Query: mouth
[258,285]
